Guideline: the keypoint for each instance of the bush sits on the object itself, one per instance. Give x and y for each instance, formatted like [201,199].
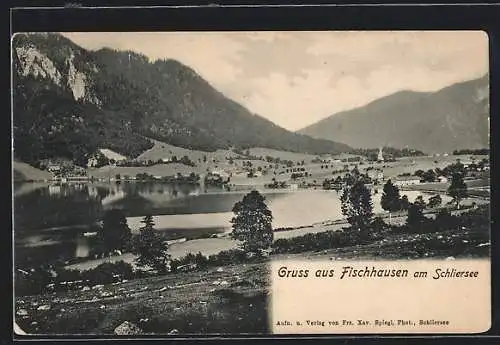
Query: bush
[319,241]
[109,272]
[227,257]
[192,262]
[32,282]
[50,279]
[378,226]
[435,201]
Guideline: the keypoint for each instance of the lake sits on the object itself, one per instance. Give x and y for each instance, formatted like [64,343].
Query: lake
[51,221]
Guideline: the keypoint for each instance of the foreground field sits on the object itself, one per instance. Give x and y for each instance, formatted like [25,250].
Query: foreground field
[450,245]
[230,299]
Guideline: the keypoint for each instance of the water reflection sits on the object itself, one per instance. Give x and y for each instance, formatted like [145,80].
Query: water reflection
[51,220]
[82,247]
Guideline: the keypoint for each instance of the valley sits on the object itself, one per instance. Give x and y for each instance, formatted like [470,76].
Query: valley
[146,201]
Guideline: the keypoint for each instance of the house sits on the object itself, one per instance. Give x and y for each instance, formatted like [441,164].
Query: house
[54,168]
[406,180]
[92,162]
[442,179]
[375,174]
[221,173]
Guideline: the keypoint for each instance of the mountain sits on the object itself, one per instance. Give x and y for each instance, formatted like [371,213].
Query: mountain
[456,117]
[69,101]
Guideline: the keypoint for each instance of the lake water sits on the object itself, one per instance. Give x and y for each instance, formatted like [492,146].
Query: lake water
[51,220]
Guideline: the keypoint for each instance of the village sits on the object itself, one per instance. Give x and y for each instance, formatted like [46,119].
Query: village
[154,187]
[237,171]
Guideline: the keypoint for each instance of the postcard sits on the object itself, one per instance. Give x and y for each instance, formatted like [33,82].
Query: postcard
[263,183]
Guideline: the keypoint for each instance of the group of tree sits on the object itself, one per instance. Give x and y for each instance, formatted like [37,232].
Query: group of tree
[335,183]
[149,246]
[275,184]
[251,225]
[392,201]
[357,206]
[450,170]
[372,154]
[150,162]
[426,176]
[252,221]
[453,169]
[484,151]
[277,160]
[297,175]
[215,180]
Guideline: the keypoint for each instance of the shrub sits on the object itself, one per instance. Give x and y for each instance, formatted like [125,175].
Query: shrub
[191,262]
[227,257]
[378,226]
[32,282]
[319,241]
[109,272]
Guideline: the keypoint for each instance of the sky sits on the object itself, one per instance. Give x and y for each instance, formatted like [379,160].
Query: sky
[298,78]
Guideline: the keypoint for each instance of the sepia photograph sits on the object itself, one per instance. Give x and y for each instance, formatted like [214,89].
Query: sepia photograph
[158,175]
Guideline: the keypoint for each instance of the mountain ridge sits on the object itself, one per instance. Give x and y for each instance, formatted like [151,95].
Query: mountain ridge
[68,101]
[454,117]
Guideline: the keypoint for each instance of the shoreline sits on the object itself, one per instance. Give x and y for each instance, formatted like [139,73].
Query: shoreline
[210,246]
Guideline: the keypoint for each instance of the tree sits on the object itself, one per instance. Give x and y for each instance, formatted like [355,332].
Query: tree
[419,173]
[404,202]
[115,233]
[391,199]
[378,226]
[150,248]
[445,220]
[420,202]
[349,179]
[456,168]
[102,160]
[252,223]
[357,205]
[457,189]
[435,201]
[415,214]
[428,176]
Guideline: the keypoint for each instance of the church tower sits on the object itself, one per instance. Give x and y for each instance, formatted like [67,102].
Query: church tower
[380,157]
